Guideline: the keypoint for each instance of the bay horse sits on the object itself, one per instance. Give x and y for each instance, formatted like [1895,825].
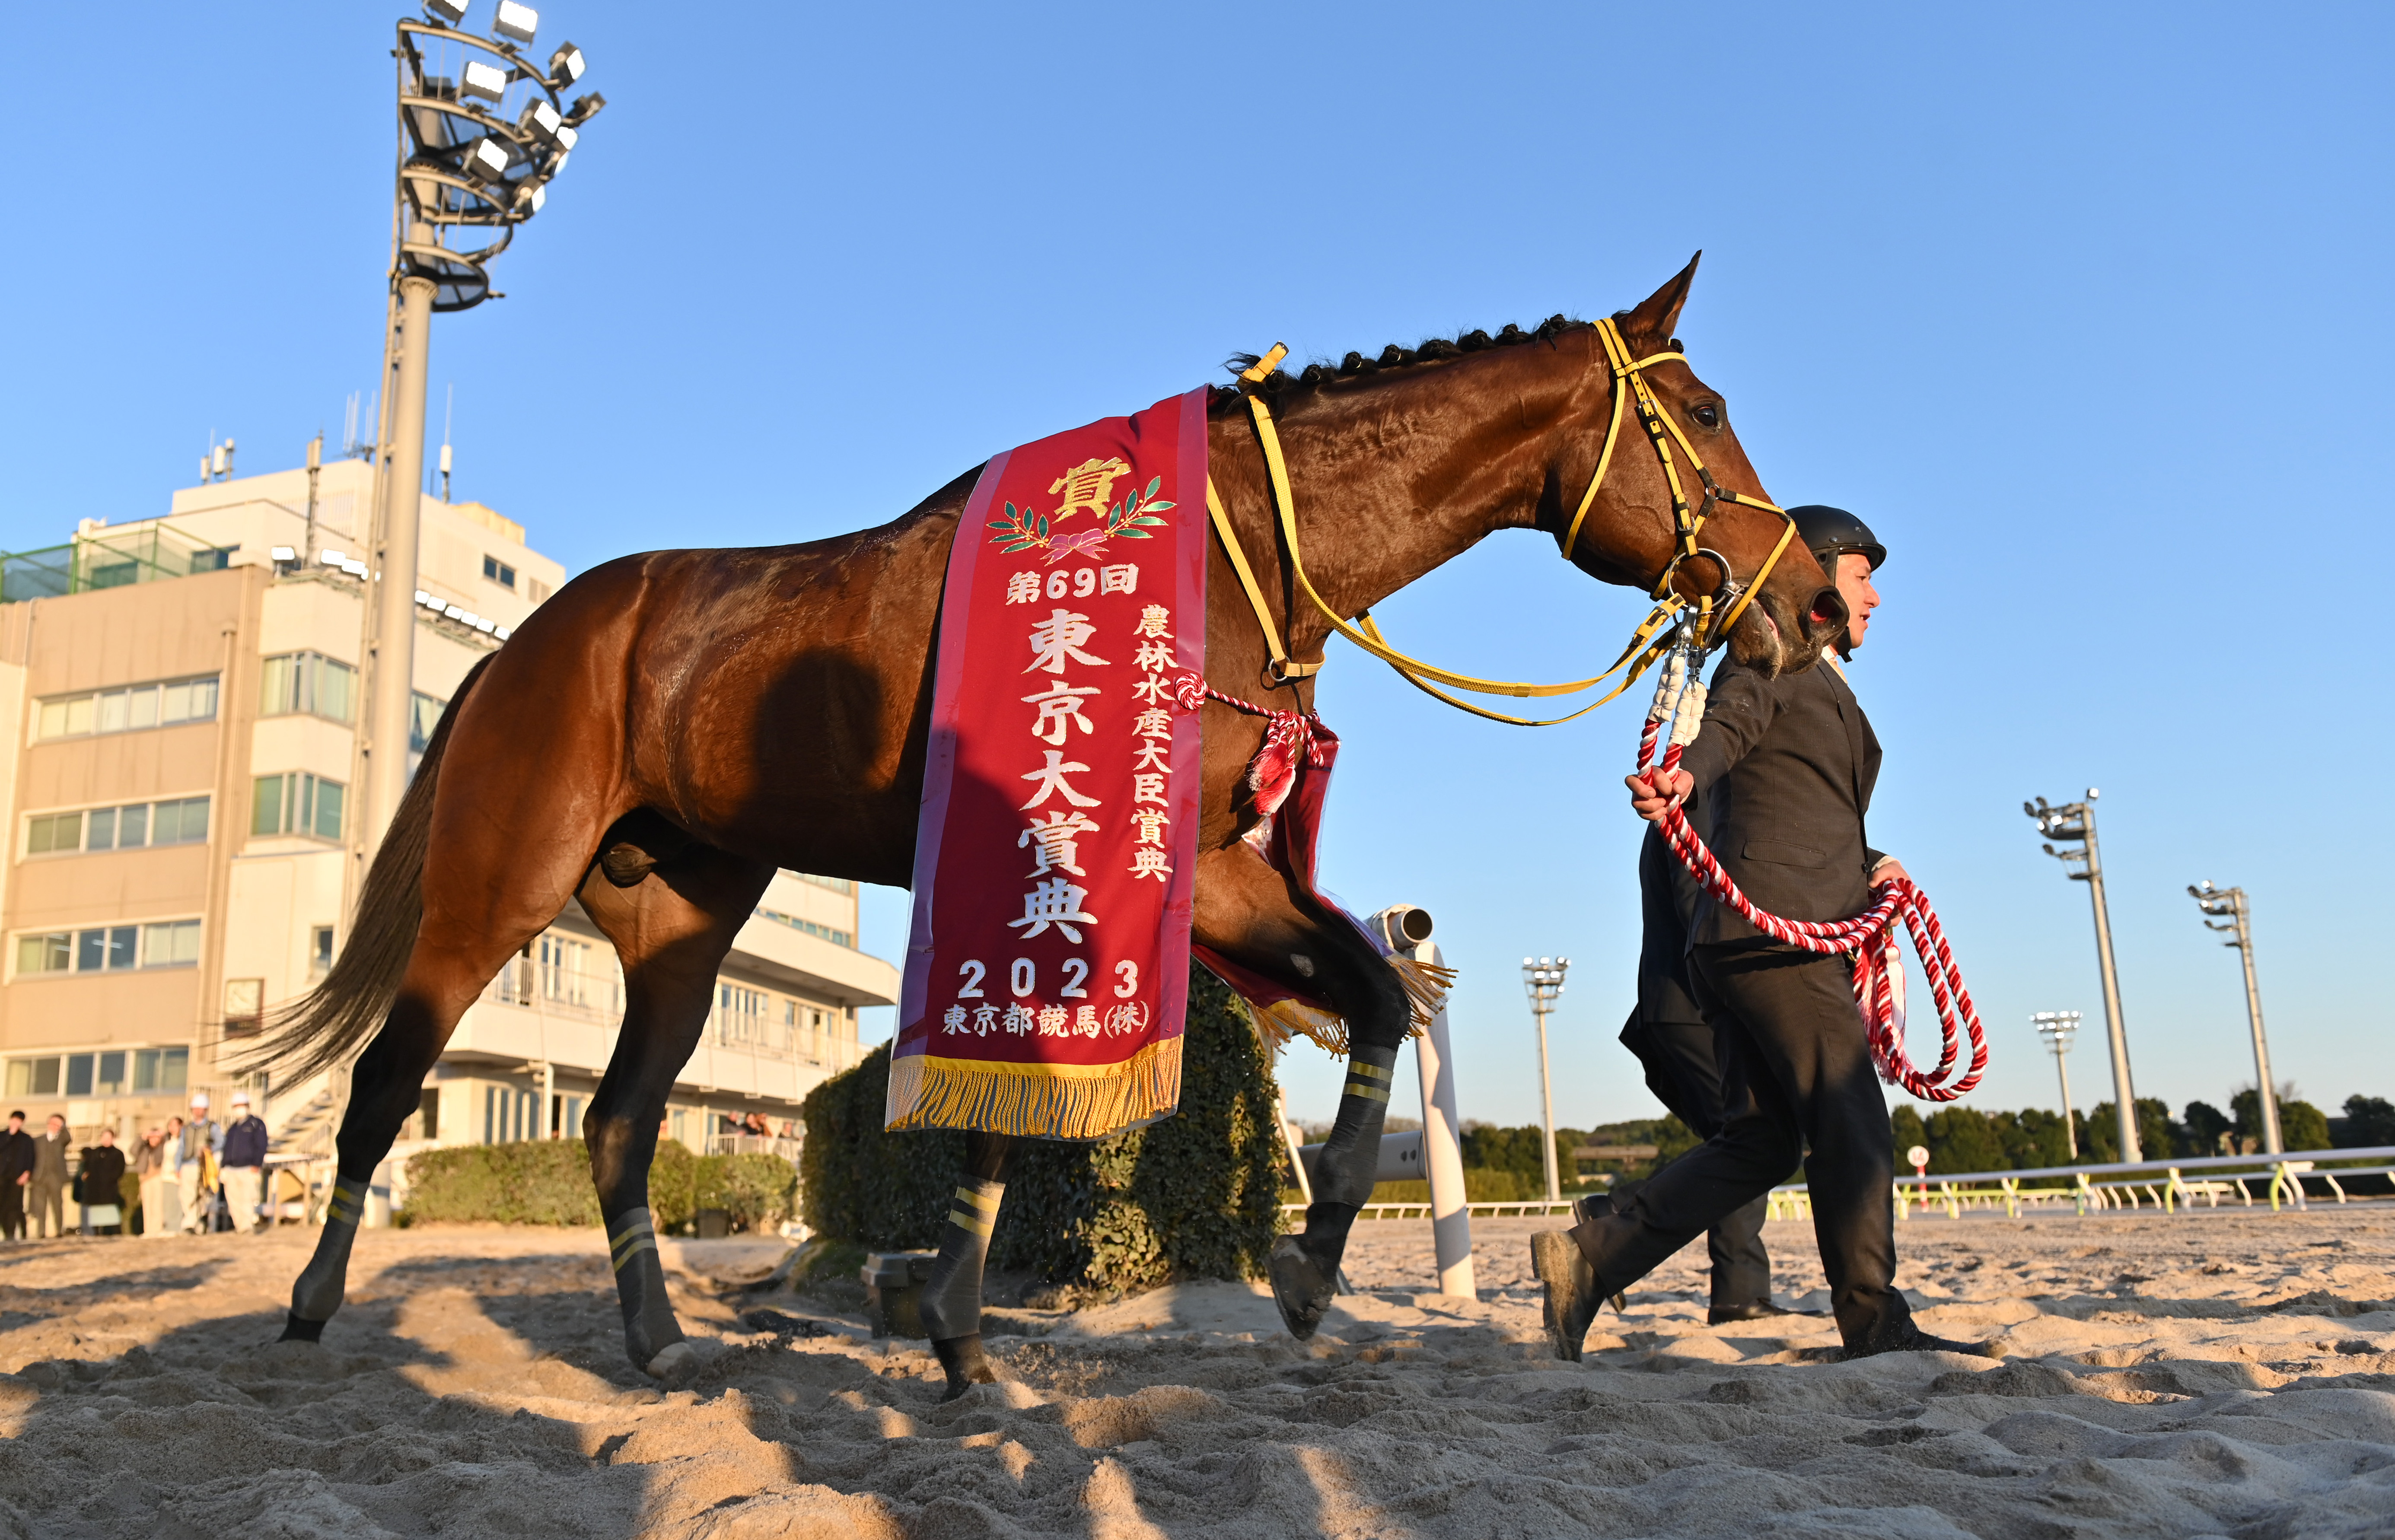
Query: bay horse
[670,728]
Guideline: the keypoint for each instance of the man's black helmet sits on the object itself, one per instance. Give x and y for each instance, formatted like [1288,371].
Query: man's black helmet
[1827,531]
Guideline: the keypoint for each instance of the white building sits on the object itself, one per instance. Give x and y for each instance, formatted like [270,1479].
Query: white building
[178,705]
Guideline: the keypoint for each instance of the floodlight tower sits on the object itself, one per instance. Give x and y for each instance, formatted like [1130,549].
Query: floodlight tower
[2058,1027]
[2074,822]
[2231,901]
[1544,981]
[482,132]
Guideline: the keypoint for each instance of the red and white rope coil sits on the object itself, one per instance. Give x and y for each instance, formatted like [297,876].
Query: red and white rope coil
[1870,938]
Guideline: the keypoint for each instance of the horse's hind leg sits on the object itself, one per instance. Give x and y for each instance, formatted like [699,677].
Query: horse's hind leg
[671,929]
[1247,910]
[951,1304]
[385,1087]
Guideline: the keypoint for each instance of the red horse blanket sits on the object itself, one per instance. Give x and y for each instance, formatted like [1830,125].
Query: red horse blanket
[1054,857]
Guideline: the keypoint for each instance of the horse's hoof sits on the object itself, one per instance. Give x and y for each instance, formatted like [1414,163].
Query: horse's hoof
[677,1358]
[1302,1287]
[1572,1300]
[296,1328]
[964,1362]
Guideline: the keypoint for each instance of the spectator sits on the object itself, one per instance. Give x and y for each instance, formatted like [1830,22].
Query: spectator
[100,1186]
[195,1174]
[16,1170]
[149,1163]
[245,1163]
[48,1188]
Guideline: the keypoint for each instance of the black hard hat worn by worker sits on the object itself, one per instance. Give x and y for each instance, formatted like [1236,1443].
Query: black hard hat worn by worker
[1829,533]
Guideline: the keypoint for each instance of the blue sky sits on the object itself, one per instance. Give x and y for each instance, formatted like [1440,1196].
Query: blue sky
[2084,308]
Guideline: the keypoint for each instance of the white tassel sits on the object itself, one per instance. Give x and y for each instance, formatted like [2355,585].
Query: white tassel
[1668,680]
[1690,717]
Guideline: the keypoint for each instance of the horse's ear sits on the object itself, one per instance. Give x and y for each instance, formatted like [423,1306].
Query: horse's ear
[1657,316]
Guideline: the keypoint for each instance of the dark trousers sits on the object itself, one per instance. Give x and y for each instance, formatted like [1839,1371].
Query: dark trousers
[48,1207]
[1797,1072]
[12,1210]
[1684,1070]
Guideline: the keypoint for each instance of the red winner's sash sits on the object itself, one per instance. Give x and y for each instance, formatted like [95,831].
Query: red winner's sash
[1047,969]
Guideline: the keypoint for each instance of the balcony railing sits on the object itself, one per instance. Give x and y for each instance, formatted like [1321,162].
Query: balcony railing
[754,1144]
[591,995]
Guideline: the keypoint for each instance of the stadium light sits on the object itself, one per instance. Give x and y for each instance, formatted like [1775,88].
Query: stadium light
[471,169]
[516,22]
[487,82]
[2074,824]
[2229,903]
[2058,1027]
[1542,981]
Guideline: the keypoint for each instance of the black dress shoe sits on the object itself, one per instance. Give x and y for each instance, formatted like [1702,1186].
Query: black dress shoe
[1909,1338]
[1753,1309]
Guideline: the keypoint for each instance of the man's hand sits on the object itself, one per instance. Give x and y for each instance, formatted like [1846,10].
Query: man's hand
[1887,871]
[1652,793]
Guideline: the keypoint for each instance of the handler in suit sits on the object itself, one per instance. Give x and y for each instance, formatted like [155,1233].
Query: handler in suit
[1786,766]
[1668,1031]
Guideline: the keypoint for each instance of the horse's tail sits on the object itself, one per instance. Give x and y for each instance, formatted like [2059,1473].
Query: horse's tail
[328,1023]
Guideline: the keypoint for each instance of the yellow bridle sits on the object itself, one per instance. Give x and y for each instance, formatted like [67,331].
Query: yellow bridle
[1653,635]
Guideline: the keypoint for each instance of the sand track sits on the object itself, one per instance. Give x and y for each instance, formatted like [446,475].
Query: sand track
[2221,1374]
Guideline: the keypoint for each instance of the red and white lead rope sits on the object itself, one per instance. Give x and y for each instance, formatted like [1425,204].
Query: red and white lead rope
[1870,936]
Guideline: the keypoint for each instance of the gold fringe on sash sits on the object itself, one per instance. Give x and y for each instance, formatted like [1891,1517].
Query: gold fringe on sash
[1065,1102]
[1426,983]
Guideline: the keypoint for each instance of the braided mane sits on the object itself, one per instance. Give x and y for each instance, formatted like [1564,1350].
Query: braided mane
[1281,382]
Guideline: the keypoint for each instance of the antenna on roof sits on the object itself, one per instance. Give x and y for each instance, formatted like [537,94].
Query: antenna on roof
[447,411]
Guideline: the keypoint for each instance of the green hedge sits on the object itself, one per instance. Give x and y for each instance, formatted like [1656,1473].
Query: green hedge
[1194,1196]
[547,1182]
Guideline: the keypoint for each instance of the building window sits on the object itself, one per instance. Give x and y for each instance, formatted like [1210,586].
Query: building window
[296,804]
[158,1069]
[308,684]
[508,1114]
[742,1013]
[498,572]
[838,937]
[96,1074]
[33,1077]
[173,944]
[837,885]
[48,833]
[111,949]
[320,950]
[160,703]
[181,821]
[423,714]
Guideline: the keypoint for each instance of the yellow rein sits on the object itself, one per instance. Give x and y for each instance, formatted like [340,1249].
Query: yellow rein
[1647,643]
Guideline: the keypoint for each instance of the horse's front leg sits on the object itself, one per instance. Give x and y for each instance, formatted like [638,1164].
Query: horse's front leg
[951,1305]
[1247,910]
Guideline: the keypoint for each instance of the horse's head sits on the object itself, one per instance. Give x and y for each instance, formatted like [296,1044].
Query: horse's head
[1632,533]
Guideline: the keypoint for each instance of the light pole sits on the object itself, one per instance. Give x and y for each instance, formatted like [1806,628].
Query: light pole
[2231,901]
[481,132]
[2075,822]
[1544,980]
[2058,1027]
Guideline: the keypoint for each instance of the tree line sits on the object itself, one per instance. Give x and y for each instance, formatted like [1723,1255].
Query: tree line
[1963,1139]
[1958,1138]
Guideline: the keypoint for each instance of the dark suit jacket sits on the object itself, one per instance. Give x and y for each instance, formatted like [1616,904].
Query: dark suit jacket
[1785,767]
[15,1155]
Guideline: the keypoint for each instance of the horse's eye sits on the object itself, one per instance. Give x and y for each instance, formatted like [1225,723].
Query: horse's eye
[1708,413]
